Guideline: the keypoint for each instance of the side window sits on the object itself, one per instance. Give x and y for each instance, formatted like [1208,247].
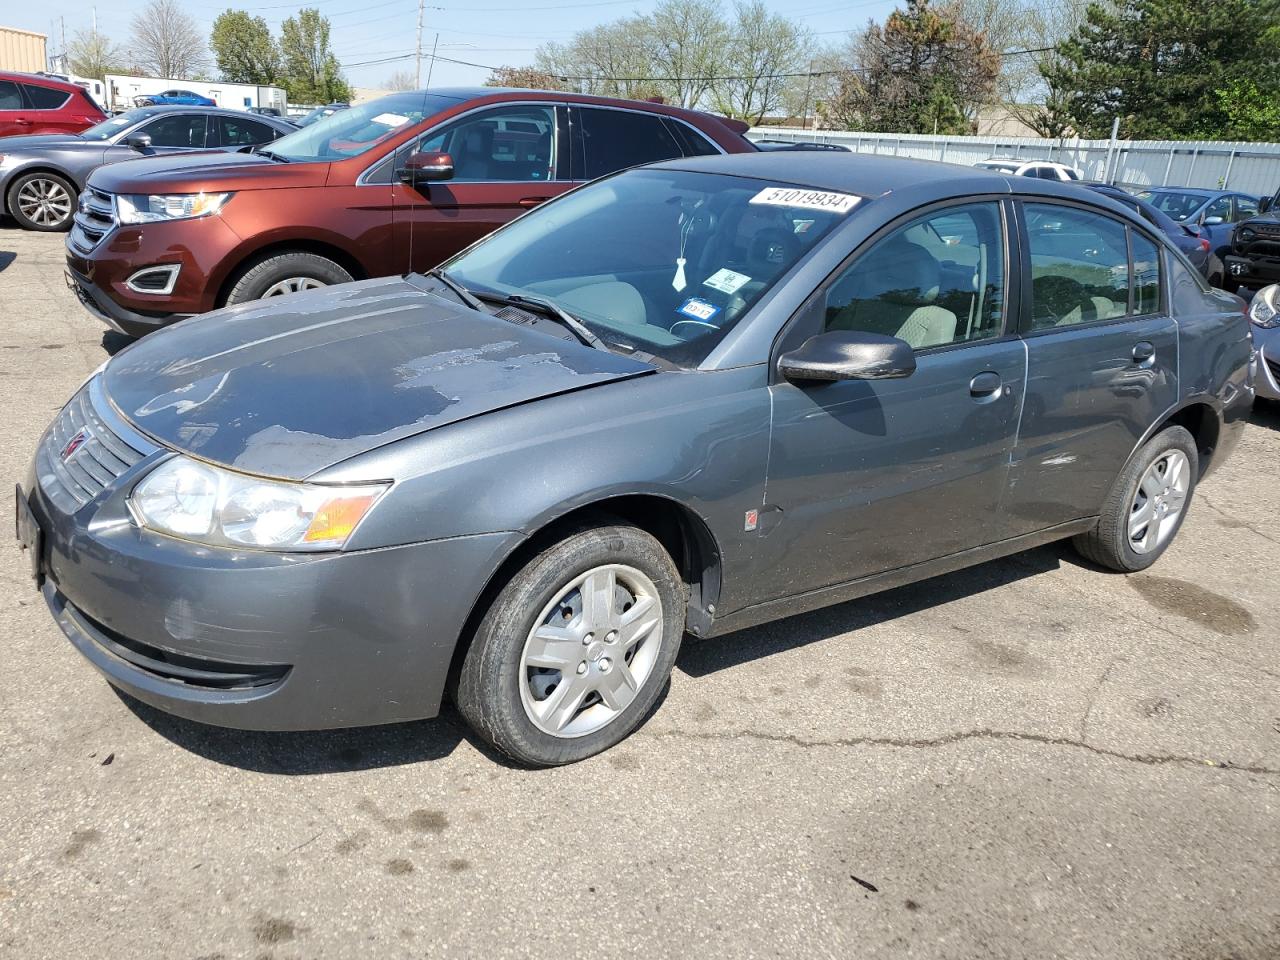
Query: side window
[616,139]
[1219,208]
[10,98]
[938,280]
[693,143]
[1146,275]
[176,130]
[45,98]
[509,143]
[1079,266]
[1246,207]
[239,132]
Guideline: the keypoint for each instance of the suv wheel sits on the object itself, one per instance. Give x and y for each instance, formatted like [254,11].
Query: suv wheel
[576,648]
[42,201]
[1147,505]
[284,273]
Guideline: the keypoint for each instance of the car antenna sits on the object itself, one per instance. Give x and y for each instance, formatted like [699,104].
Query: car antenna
[413,220]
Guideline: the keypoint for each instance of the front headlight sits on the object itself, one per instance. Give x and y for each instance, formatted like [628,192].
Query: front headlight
[151,208]
[1265,309]
[195,501]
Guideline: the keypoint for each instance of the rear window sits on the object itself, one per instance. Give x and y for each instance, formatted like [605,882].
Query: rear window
[45,98]
[616,139]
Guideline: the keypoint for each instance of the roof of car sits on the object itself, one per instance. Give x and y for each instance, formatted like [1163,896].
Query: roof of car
[39,79]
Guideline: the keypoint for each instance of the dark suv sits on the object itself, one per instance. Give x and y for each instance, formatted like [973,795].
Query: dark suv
[1254,260]
[378,189]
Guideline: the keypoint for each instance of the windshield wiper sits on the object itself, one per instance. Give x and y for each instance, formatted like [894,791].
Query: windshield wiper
[465,295]
[576,326]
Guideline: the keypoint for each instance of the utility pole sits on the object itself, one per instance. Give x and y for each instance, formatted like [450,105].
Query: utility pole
[417,77]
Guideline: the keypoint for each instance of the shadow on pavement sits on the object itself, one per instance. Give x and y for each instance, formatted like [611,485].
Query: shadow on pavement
[1266,413]
[310,752]
[6,257]
[720,653]
[113,341]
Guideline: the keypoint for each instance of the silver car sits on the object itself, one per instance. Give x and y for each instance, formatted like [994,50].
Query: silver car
[1264,314]
[42,176]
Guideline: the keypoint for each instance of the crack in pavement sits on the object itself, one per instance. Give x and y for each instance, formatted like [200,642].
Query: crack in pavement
[948,739]
[1093,697]
[1234,519]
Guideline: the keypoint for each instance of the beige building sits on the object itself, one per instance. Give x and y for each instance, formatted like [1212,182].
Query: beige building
[22,50]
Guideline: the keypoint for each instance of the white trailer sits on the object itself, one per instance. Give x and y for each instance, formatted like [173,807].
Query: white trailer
[123,91]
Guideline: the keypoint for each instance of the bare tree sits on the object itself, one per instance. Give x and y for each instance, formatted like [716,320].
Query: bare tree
[613,59]
[92,54]
[167,42]
[687,41]
[401,80]
[762,50]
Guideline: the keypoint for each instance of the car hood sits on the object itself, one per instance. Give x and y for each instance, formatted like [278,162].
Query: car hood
[44,141]
[210,171]
[290,386]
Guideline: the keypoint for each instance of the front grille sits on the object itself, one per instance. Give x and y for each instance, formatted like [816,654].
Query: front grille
[95,218]
[72,474]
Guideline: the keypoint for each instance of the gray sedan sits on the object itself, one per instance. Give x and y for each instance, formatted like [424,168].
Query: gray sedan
[1264,313]
[687,398]
[41,176]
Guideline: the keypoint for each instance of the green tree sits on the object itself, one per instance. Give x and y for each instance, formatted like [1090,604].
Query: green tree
[763,49]
[524,78]
[924,71]
[243,48]
[312,73]
[1251,114]
[1169,68]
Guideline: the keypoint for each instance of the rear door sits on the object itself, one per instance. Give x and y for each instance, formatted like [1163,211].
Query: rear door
[234,132]
[48,109]
[1102,352]
[608,139]
[507,159]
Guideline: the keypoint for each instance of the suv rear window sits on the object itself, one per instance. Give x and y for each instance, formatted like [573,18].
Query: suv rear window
[616,139]
[45,98]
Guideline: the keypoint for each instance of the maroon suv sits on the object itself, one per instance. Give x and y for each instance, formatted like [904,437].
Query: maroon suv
[382,188]
[33,104]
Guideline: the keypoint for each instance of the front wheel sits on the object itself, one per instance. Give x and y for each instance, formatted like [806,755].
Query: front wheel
[1146,506]
[42,201]
[576,648]
[282,273]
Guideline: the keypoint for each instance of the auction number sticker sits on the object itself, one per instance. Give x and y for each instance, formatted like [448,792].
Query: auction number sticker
[726,281]
[699,309]
[390,119]
[806,199]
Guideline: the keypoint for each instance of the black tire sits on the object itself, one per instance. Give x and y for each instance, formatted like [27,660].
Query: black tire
[488,690]
[1107,544]
[261,276]
[26,222]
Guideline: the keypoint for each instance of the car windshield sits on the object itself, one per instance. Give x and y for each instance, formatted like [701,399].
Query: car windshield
[655,260]
[109,128]
[1179,206]
[350,132]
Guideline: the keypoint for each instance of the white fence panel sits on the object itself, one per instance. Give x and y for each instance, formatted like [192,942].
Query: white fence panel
[1247,167]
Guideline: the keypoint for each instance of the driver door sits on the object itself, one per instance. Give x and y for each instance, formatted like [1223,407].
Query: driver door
[867,476]
[169,133]
[507,159]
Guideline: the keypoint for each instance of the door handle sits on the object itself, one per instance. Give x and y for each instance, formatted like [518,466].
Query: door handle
[533,201]
[1144,353]
[985,387]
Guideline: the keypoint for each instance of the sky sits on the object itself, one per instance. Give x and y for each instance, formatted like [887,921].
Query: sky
[491,32]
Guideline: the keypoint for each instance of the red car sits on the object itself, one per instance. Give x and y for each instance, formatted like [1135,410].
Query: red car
[33,104]
[383,188]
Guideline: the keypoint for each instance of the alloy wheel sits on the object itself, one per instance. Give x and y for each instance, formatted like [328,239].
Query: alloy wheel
[1159,502]
[44,201]
[591,650]
[293,285]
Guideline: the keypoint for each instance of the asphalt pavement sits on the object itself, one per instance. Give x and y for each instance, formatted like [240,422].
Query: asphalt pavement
[1028,759]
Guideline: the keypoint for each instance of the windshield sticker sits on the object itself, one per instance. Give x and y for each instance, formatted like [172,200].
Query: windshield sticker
[698,309]
[390,119]
[726,281]
[806,199]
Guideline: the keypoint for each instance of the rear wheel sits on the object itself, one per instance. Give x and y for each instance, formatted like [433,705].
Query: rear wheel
[1146,506]
[576,648]
[42,201]
[283,273]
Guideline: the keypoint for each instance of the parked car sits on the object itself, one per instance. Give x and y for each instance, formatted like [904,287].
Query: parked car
[41,176]
[266,111]
[767,144]
[319,113]
[386,187]
[1254,260]
[1264,313]
[1216,212]
[692,396]
[175,98]
[1040,169]
[32,104]
[1185,236]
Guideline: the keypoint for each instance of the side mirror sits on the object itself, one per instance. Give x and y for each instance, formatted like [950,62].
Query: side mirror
[426,166]
[1213,221]
[848,355]
[138,141]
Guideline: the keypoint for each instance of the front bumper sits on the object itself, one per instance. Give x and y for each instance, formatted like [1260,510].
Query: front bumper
[115,316]
[1252,271]
[252,639]
[1266,363]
